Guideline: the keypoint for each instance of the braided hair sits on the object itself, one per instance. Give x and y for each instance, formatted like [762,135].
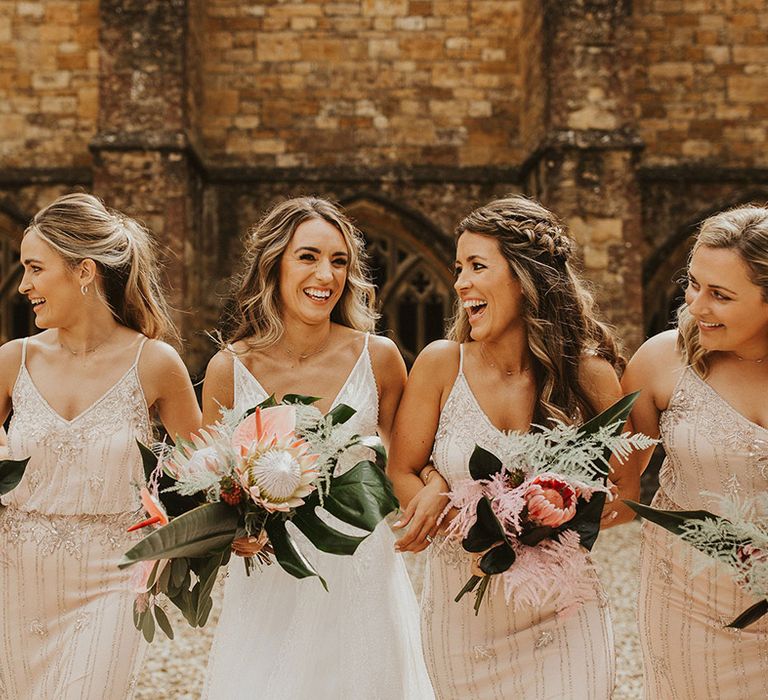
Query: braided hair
[558,309]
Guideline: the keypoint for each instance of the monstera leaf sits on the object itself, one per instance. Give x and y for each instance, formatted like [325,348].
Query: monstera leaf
[11,472]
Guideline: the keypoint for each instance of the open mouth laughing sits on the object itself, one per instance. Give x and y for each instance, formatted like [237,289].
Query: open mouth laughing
[475,308]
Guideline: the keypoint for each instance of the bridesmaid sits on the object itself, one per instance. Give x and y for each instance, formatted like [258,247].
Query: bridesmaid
[81,391]
[524,348]
[305,319]
[703,391]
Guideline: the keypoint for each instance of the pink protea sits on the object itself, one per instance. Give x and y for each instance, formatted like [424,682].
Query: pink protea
[550,500]
[276,469]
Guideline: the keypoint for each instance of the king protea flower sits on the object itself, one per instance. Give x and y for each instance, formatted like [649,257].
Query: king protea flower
[274,467]
[550,501]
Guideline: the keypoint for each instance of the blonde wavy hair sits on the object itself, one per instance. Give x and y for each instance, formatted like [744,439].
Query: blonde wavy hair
[558,310]
[79,227]
[256,316]
[743,230]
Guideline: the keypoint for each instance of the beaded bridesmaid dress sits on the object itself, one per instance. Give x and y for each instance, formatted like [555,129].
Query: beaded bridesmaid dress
[688,654]
[533,653]
[288,639]
[66,629]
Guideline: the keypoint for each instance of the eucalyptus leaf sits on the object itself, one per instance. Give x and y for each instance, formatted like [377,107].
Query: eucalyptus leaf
[483,464]
[204,611]
[11,472]
[152,574]
[163,622]
[199,532]
[148,627]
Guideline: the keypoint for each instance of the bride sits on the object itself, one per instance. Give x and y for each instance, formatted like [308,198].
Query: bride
[304,310]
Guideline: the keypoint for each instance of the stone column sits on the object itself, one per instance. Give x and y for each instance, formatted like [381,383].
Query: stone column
[580,134]
[145,162]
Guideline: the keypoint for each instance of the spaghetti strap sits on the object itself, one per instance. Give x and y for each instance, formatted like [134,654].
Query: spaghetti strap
[138,352]
[461,359]
[365,345]
[24,352]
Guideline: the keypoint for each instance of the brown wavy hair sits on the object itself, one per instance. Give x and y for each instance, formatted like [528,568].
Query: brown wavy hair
[558,310]
[78,227]
[257,314]
[744,230]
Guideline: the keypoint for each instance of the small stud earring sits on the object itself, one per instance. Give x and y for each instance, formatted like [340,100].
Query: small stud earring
[84,290]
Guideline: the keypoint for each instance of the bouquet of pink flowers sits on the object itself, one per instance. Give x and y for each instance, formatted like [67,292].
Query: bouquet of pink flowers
[738,538]
[533,511]
[247,476]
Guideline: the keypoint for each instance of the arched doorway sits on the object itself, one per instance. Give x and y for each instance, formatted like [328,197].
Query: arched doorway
[410,262]
[15,314]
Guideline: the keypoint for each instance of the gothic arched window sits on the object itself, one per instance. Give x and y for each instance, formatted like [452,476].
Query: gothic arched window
[15,313]
[412,276]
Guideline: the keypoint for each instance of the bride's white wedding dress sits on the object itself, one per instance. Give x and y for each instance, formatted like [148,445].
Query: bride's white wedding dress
[281,638]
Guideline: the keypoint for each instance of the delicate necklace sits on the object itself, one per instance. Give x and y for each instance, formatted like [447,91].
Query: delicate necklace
[508,372]
[746,359]
[87,351]
[306,355]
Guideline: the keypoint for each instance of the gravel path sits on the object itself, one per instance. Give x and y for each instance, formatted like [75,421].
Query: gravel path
[175,669]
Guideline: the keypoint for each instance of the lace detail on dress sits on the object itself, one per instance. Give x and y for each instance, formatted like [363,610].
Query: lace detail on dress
[65,478]
[734,449]
[69,533]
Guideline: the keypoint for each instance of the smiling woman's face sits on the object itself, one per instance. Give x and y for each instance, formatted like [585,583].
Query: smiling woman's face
[49,283]
[730,311]
[489,291]
[313,271]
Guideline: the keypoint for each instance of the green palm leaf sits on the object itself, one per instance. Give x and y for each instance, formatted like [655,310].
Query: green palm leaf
[201,531]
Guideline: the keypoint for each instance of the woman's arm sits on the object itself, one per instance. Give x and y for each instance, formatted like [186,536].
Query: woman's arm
[218,386]
[652,371]
[169,390]
[10,365]
[412,441]
[390,372]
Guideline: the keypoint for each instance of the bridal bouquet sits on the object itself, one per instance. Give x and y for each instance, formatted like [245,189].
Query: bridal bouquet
[738,538]
[533,510]
[247,476]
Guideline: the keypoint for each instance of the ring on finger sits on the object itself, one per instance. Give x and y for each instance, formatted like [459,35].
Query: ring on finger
[430,539]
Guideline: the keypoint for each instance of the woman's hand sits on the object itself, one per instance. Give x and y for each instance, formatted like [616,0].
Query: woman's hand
[422,515]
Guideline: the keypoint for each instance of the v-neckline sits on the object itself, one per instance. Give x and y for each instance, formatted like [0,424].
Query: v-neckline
[726,403]
[84,412]
[486,418]
[339,393]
